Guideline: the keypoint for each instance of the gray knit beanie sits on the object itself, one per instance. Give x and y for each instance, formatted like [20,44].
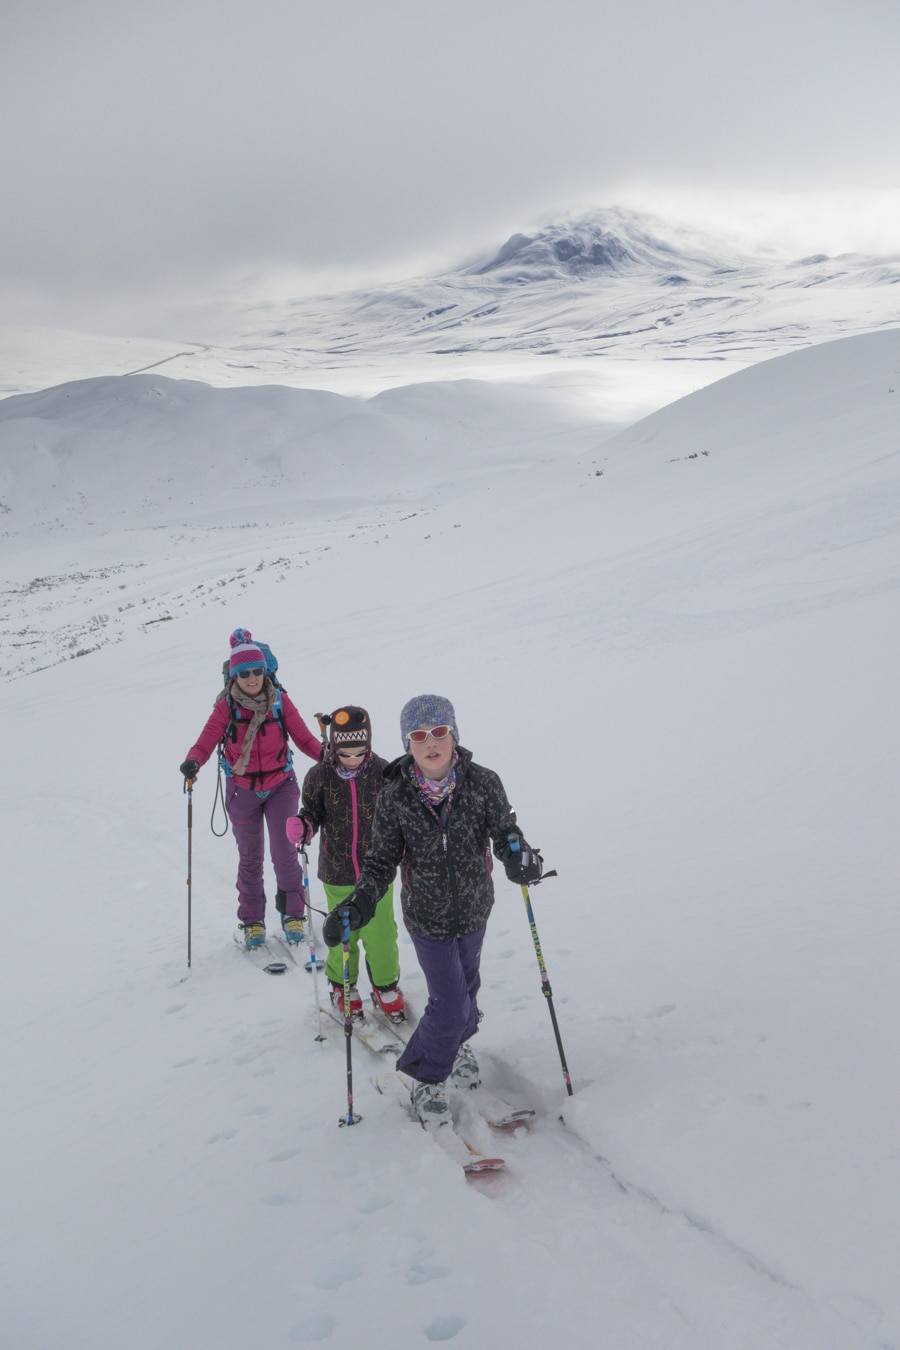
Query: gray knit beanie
[427,710]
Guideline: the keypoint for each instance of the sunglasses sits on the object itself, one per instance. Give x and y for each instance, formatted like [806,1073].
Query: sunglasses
[250,674]
[350,754]
[424,732]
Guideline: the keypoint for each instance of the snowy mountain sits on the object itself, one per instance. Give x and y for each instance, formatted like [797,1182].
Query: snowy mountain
[601,286]
[585,293]
[677,645]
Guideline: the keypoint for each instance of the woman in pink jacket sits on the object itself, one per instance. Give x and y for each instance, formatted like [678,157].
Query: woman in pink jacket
[252,720]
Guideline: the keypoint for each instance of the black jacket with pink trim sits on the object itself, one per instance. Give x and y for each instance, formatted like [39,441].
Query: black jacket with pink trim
[343,809]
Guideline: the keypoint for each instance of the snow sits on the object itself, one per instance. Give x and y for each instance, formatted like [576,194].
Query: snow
[677,644]
[627,311]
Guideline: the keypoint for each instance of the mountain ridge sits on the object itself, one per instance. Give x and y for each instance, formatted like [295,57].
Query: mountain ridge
[593,288]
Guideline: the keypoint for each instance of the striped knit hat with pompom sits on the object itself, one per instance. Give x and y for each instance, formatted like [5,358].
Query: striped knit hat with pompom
[244,653]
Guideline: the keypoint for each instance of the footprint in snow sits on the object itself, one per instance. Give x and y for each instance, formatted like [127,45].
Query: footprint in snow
[246,1058]
[374,1203]
[315,1328]
[223,1134]
[337,1273]
[422,1269]
[287,1155]
[444,1328]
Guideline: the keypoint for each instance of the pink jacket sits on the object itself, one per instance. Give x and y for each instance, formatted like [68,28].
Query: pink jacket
[265,768]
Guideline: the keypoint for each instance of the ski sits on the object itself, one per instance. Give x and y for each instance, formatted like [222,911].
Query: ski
[261,957]
[498,1113]
[461,1151]
[446,1136]
[290,948]
[400,1030]
[374,1038]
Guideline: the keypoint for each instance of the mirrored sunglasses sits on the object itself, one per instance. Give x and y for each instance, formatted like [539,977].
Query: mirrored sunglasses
[249,674]
[424,732]
[350,754]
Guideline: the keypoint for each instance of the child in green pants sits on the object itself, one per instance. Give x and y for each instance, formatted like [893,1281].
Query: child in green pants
[338,798]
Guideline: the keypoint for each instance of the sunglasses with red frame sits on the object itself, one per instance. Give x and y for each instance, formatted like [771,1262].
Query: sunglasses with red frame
[424,732]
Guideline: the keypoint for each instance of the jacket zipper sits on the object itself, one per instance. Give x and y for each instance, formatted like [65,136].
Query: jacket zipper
[451,874]
[355,839]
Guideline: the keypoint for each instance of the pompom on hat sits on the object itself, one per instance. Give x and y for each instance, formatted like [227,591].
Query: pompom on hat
[427,710]
[244,652]
[350,726]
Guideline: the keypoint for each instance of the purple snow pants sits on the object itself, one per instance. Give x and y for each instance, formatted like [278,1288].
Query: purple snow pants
[451,971]
[251,815]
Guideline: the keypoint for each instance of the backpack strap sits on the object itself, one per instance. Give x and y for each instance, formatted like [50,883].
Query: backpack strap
[237,714]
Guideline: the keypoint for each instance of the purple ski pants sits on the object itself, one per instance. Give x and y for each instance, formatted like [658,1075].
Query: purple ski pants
[452,973]
[251,815]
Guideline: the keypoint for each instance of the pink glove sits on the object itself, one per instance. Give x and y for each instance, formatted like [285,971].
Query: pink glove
[298,830]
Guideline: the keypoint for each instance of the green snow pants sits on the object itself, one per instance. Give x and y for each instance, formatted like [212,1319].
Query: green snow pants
[379,938]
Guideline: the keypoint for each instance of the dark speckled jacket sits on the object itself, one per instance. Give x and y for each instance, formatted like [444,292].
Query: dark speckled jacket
[343,809]
[445,865]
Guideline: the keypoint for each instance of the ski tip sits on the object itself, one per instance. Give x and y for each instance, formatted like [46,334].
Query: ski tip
[512,1121]
[484,1165]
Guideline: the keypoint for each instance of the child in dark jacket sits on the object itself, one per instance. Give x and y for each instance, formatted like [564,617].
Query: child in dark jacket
[253,719]
[338,798]
[437,817]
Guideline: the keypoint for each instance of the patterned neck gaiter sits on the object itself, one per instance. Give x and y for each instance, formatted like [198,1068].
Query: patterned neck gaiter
[343,771]
[434,790]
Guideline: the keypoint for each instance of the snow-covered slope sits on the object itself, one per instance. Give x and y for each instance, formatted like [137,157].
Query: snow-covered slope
[87,469]
[678,648]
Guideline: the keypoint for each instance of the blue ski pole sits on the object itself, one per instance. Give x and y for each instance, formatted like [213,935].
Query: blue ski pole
[349,1118]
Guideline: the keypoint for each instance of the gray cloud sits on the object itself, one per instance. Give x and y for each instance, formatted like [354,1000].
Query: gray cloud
[154,146]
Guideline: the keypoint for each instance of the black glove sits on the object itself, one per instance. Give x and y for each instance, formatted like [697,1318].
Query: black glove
[333,927]
[190,768]
[523,866]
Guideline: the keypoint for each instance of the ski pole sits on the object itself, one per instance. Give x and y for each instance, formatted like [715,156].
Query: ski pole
[324,721]
[515,846]
[349,1118]
[311,942]
[189,789]
[545,986]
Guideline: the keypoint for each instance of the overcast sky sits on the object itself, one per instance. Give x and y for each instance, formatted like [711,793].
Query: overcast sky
[170,146]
